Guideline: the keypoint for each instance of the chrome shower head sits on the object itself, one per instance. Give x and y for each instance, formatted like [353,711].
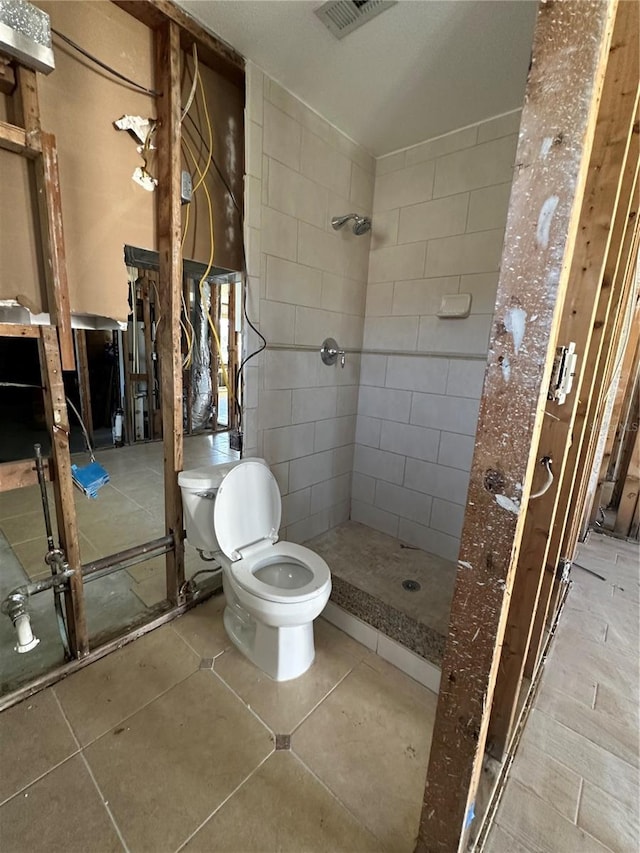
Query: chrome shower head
[361,224]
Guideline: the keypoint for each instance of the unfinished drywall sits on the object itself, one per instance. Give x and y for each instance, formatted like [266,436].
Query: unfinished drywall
[103,209]
[439,216]
[307,282]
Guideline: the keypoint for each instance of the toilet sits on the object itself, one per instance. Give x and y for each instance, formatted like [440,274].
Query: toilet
[274,590]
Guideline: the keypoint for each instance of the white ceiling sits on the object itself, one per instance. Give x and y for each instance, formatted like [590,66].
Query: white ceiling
[420,69]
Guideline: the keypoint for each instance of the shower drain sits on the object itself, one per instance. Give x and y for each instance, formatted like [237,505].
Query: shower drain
[410,586]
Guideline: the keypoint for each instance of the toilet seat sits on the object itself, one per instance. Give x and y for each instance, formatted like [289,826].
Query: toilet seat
[243,572]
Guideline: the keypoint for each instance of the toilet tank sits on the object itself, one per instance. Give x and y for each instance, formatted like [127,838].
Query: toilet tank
[199,487]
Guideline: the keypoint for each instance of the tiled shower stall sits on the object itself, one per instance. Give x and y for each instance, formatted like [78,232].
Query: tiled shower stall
[387,440]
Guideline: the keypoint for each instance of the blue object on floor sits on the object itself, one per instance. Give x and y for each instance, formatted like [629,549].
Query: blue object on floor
[90,478]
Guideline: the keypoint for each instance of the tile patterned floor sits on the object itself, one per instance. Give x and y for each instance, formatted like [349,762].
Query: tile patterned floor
[574,785]
[169,744]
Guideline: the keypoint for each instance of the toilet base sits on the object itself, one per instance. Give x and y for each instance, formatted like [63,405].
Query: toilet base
[282,653]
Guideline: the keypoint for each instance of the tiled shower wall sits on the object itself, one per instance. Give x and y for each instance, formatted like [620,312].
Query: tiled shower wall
[306,282]
[439,217]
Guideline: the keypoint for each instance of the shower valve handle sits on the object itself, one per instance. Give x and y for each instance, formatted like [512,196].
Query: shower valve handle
[329,352]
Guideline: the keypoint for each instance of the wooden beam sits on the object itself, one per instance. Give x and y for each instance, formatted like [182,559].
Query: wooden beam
[7,76]
[605,176]
[13,138]
[58,425]
[16,330]
[148,349]
[170,280]
[629,493]
[84,385]
[212,51]
[570,49]
[17,475]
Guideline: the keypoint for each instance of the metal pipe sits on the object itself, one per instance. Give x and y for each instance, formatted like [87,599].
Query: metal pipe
[402,353]
[43,496]
[130,557]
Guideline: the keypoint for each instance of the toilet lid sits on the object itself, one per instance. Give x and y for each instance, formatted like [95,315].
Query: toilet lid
[247,508]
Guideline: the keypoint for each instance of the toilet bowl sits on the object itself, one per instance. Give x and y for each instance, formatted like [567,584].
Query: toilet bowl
[274,590]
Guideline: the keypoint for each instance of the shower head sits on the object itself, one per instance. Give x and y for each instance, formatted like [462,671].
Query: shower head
[361,224]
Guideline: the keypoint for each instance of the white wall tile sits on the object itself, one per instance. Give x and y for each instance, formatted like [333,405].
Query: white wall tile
[413,373]
[392,333]
[447,517]
[488,207]
[373,369]
[330,492]
[279,234]
[441,217]
[361,187]
[465,378]
[254,149]
[347,295]
[274,409]
[397,262]
[255,88]
[293,283]
[468,253]
[403,502]
[390,163]
[324,164]
[406,186]
[313,404]
[429,540]
[480,166]
[342,460]
[468,335]
[368,430]
[310,470]
[379,299]
[374,517]
[313,325]
[291,369]
[384,228]
[289,442]
[438,481]
[281,473]
[500,126]
[483,288]
[408,440]
[363,488]
[421,296]
[277,321]
[340,512]
[297,196]
[384,403]
[295,506]
[452,414]
[309,527]
[335,432]
[379,464]
[464,138]
[347,400]
[456,450]
[282,136]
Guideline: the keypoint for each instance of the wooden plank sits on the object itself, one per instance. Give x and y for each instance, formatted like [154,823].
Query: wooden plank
[212,51]
[7,76]
[15,330]
[148,349]
[50,208]
[570,49]
[58,425]
[13,138]
[84,385]
[615,273]
[611,144]
[170,280]
[629,493]
[17,475]
[27,106]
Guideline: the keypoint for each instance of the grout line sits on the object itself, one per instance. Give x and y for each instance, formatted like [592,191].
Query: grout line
[246,705]
[595,696]
[105,802]
[326,696]
[42,775]
[226,799]
[580,790]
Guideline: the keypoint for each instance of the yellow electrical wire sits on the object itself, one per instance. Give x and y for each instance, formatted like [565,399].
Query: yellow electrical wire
[225,376]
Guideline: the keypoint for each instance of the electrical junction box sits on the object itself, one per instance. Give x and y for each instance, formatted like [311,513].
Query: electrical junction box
[186,187]
[564,369]
[455,305]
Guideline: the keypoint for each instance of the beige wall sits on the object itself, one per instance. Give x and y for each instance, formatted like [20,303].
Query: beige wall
[103,209]
[307,282]
[439,216]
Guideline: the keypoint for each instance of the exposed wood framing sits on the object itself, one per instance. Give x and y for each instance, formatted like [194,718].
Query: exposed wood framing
[215,53]
[84,385]
[170,279]
[58,425]
[616,272]
[13,330]
[215,309]
[13,138]
[148,350]
[570,51]
[7,76]
[628,506]
[611,144]
[17,475]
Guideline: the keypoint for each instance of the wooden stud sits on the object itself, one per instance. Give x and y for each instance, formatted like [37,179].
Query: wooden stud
[611,145]
[570,51]
[14,330]
[13,138]
[7,76]
[148,349]
[17,475]
[83,381]
[58,425]
[627,508]
[170,275]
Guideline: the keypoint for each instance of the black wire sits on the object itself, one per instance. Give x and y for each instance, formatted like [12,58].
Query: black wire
[246,359]
[104,66]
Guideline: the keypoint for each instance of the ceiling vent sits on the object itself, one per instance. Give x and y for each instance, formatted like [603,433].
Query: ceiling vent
[342,17]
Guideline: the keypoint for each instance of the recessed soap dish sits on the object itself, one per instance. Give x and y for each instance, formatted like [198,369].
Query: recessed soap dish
[455,306]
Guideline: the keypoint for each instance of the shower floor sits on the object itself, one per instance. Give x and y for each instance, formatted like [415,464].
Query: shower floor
[368,569]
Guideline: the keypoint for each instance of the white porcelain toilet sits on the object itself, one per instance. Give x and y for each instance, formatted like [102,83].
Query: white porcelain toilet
[274,590]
